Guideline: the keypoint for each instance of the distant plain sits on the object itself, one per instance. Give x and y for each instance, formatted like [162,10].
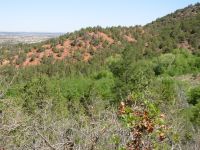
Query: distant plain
[25,37]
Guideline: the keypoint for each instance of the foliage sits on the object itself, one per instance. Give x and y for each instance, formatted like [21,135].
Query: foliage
[146,124]
[35,95]
[72,104]
[194,96]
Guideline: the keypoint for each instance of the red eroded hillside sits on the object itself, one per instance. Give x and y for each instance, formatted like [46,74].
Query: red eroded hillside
[81,46]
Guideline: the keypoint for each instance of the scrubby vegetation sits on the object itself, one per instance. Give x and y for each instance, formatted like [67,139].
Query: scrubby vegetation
[115,88]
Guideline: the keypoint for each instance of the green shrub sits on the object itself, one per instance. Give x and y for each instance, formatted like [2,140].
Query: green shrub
[55,50]
[196,115]
[194,95]
[35,94]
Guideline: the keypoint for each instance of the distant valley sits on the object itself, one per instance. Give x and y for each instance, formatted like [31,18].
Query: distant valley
[25,37]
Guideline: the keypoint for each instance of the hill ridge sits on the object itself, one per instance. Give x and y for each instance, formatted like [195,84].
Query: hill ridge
[85,43]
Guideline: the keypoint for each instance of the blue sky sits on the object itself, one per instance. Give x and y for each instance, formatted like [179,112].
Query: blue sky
[70,15]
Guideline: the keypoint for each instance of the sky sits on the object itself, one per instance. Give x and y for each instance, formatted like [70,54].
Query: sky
[70,15]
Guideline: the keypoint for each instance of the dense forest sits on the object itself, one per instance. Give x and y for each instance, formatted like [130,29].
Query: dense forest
[123,88]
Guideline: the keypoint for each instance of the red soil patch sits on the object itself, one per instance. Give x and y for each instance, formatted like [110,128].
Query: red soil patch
[48,52]
[28,62]
[86,57]
[185,45]
[59,46]
[47,46]
[5,62]
[31,53]
[129,38]
[106,37]
[40,55]
[65,53]
[67,44]
[35,57]
[102,35]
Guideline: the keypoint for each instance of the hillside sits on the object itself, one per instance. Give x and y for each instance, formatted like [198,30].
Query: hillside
[120,88]
[177,30]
